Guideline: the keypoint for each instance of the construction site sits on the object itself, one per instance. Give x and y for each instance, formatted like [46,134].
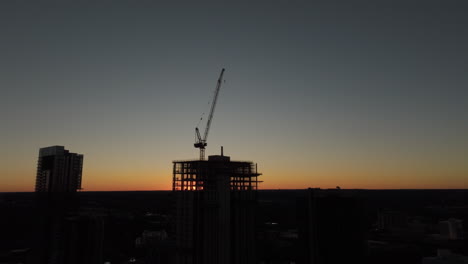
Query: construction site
[197,175]
[215,205]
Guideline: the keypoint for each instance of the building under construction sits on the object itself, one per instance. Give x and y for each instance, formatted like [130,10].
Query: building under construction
[215,210]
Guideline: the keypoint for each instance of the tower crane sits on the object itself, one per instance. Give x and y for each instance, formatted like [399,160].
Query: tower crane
[199,141]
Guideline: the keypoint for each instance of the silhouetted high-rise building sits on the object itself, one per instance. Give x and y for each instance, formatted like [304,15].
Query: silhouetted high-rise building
[215,214]
[57,180]
[331,227]
[58,170]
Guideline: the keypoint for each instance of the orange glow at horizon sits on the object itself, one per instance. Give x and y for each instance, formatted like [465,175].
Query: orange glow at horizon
[152,181]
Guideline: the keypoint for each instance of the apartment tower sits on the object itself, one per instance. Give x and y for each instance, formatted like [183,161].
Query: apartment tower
[58,170]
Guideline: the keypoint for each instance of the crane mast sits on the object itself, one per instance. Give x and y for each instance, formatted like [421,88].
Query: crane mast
[199,141]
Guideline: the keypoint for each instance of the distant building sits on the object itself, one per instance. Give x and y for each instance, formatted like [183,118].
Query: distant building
[215,214]
[445,256]
[58,170]
[451,229]
[392,220]
[331,227]
[156,246]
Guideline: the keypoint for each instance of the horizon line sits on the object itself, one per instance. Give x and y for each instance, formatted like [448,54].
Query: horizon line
[362,189]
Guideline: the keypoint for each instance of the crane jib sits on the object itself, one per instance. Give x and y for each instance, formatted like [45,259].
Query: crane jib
[201,142]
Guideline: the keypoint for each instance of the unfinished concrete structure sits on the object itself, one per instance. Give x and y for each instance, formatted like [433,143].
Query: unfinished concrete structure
[215,210]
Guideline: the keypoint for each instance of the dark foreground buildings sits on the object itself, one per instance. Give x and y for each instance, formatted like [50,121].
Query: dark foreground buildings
[331,227]
[215,210]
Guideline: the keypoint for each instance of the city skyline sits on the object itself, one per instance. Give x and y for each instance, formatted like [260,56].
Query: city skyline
[358,95]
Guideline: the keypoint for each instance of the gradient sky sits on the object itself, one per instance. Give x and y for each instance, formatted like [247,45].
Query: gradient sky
[360,94]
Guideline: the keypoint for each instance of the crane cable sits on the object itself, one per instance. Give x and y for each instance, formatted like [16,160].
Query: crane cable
[209,102]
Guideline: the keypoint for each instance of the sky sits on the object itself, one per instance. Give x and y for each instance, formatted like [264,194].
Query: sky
[356,94]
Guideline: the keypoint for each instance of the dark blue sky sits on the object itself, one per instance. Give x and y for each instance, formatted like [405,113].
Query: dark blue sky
[369,94]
